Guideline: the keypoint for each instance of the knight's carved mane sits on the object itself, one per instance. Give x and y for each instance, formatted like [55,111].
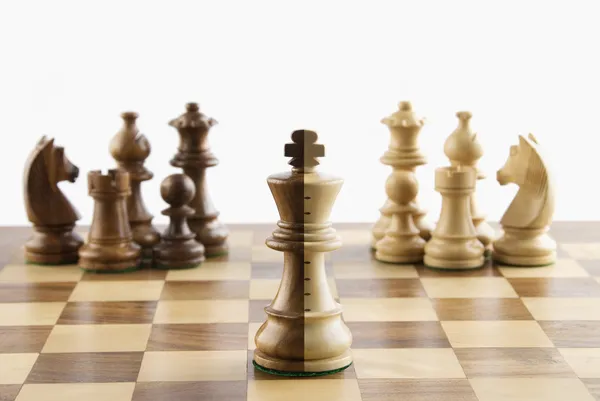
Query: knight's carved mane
[533,206]
[45,203]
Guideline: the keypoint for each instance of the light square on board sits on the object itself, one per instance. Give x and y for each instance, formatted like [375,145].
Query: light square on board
[582,251]
[209,271]
[529,389]
[252,330]
[97,338]
[14,368]
[584,361]
[482,334]
[77,391]
[27,273]
[202,311]
[387,309]
[354,237]
[562,268]
[468,287]
[105,291]
[30,314]
[407,363]
[563,308]
[374,270]
[194,366]
[302,390]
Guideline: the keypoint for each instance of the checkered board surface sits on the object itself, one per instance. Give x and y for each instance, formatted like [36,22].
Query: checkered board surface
[527,334]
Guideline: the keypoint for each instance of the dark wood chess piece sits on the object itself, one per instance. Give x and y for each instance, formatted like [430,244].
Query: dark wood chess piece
[110,247]
[53,217]
[130,149]
[178,248]
[194,157]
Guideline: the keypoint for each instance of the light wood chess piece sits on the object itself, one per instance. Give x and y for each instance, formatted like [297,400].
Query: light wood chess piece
[304,332]
[403,154]
[110,247]
[53,217]
[178,248]
[525,240]
[130,149]
[194,157]
[401,242]
[463,149]
[454,243]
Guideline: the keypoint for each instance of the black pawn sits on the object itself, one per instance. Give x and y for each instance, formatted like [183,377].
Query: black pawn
[178,248]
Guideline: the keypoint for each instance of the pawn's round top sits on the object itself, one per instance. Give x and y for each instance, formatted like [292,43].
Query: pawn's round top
[177,190]
[304,150]
[402,187]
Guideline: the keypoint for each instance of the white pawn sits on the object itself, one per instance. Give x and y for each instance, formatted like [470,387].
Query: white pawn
[401,242]
[454,243]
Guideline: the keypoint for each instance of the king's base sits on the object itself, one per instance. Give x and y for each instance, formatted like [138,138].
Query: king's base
[453,264]
[524,261]
[317,367]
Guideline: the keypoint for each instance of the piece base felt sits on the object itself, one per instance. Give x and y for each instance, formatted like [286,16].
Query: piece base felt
[298,374]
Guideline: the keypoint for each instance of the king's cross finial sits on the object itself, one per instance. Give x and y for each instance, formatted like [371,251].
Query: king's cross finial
[304,151]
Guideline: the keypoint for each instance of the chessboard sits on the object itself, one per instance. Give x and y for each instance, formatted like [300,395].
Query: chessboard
[493,334]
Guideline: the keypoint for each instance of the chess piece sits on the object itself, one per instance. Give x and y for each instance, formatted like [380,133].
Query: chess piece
[463,149]
[304,332]
[454,243]
[403,154]
[53,217]
[194,157]
[130,149]
[178,248]
[110,247]
[525,241]
[401,242]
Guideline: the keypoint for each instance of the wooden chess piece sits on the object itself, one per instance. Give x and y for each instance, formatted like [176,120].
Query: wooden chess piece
[130,149]
[401,242]
[304,331]
[194,157]
[110,247]
[454,243]
[525,240]
[403,154]
[463,149]
[178,248]
[53,217]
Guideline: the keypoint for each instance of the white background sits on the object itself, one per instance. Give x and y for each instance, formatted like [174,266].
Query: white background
[265,68]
